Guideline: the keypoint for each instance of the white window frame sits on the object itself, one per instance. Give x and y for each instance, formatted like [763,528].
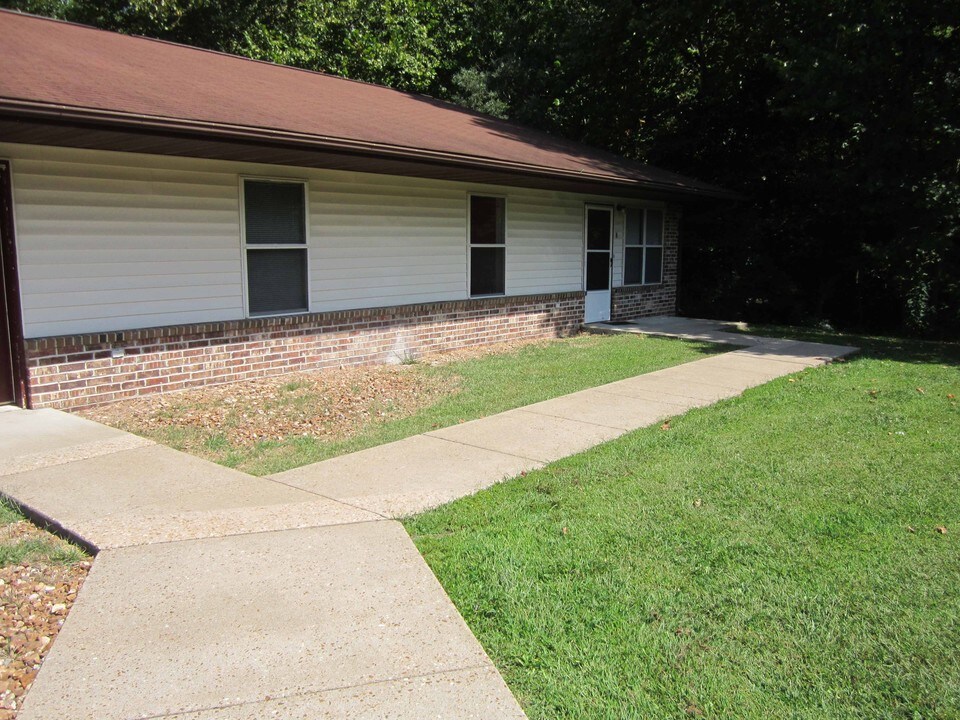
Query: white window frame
[642,245]
[499,246]
[305,247]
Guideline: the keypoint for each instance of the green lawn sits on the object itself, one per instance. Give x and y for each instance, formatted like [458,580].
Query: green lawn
[776,555]
[29,544]
[483,386]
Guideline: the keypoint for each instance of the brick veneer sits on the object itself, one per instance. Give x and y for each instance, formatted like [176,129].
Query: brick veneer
[646,300]
[80,371]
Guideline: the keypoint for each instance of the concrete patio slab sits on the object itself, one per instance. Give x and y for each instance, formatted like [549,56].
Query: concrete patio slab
[71,453]
[143,479]
[607,409]
[683,328]
[759,363]
[675,325]
[528,434]
[126,529]
[455,695]
[188,626]
[798,351]
[730,333]
[408,476]
[676,390]
[37,432]
[156,494]
[680,403]
[723,377]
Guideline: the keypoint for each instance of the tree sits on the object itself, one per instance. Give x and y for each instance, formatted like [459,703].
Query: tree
[838,121]
[391,42]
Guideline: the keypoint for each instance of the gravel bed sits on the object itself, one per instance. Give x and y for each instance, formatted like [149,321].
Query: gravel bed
[35,597]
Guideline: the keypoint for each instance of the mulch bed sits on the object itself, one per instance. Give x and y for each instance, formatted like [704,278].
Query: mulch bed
[326,404]
[330,404]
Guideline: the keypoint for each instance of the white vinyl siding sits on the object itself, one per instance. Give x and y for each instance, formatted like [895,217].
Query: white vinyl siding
[116,241]
[107,243]
[382,240]
[544,243]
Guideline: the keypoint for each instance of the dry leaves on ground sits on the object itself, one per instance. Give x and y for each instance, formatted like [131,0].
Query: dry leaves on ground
[325,404]
[330,404]
[472,352]
[35,598]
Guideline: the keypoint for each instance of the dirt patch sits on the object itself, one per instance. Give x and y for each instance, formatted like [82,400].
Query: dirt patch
[330,404]
[35,598]
[477,351]
[325,404]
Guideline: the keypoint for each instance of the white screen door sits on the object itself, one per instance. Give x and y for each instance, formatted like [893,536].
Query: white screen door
[598,240]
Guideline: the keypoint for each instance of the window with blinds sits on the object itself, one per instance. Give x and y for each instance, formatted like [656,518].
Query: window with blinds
[275,237]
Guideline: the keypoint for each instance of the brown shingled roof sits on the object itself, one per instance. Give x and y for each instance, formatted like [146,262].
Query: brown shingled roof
[52,69]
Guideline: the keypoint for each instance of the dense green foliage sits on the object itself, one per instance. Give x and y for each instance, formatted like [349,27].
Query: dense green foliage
[789,553]
[395,42]
[838,121]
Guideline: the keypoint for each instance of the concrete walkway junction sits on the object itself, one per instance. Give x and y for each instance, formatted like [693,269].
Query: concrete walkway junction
[216,595]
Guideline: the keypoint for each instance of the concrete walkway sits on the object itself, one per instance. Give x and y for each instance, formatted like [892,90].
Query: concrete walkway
[216,595]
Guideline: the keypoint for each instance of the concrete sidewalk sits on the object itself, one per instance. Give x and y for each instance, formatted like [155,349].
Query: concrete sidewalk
[219,595]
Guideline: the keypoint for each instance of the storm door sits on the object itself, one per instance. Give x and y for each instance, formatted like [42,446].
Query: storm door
[598,241]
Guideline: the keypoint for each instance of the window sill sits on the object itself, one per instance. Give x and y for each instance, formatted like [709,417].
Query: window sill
[282,313]
[488,295]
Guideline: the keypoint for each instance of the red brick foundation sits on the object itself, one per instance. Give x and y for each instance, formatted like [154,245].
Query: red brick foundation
[646,300]
[81,370]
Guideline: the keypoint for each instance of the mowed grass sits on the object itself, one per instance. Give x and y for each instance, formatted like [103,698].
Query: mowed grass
[791,553]
[21,542]
[484,386]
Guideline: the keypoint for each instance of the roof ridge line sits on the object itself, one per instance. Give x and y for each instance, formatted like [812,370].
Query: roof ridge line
[410,93]
[270,63]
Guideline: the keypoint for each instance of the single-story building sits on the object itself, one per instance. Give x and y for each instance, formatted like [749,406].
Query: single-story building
[174,216]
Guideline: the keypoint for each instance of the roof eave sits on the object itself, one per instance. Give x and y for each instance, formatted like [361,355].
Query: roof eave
[61,115]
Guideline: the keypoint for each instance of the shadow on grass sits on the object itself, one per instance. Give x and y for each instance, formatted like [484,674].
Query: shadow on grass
[882,348]
[707,348]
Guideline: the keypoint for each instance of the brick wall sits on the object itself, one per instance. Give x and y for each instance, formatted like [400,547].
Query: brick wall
[81,371]
[646,300]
